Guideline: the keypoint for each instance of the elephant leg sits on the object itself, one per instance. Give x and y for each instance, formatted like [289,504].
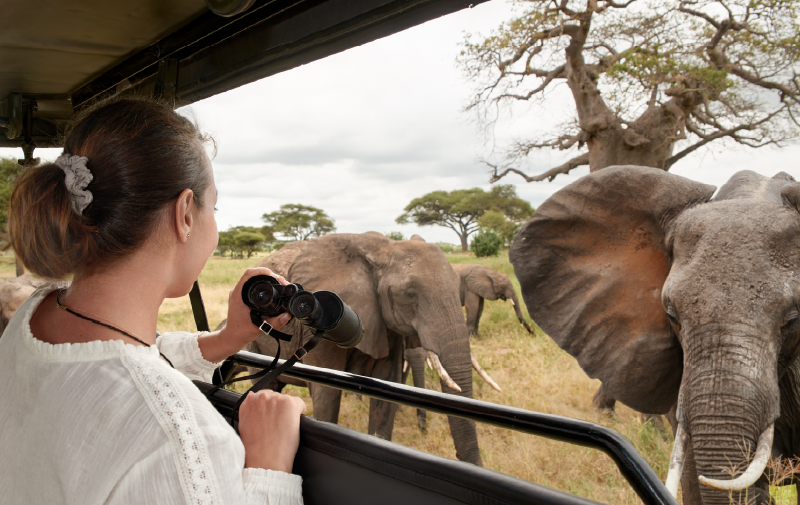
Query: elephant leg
[416,359]
[690,486]
[602,402]
[390,368]
[326,401]
[473,304]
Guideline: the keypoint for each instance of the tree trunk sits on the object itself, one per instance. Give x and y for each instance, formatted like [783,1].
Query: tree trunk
[609,148]
[20,268]
[464,246]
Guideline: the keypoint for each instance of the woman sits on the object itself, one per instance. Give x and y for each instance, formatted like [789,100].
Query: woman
[96,406]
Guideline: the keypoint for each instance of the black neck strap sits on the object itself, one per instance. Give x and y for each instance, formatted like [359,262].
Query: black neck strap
[272,372]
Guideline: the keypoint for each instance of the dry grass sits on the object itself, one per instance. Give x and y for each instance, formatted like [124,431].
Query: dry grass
[534,374]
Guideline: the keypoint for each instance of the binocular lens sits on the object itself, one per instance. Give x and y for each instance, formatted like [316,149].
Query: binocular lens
[261,294]
[304,306]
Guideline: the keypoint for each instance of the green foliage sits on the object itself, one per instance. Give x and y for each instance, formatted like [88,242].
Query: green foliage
[277,246]
[240,240]
[299,222]
[501,225]
[486,243]
[225,243]
[9,170]
[248,241]
[395,235]
[448,248]
[461,209]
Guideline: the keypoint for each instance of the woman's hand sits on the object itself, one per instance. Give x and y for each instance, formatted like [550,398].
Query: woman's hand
[239,330]
[269,425]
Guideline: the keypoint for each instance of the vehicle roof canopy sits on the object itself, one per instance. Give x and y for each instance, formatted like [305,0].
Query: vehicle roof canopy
[59,55]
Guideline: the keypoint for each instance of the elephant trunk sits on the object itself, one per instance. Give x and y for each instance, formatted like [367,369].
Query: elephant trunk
[721,458]
[455,358]
[727,410]
[518,311]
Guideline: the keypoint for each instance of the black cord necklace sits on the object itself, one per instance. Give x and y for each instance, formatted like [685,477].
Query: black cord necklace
[62,306]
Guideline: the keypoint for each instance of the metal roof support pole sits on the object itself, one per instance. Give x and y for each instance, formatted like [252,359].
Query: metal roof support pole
[28,108]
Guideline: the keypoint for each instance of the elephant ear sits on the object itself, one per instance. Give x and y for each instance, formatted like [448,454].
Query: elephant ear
[592,262]
[338,263]
[479,281]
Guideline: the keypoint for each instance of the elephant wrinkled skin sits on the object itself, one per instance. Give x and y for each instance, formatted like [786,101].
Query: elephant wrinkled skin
[407,297]
[13,292]
[682,304]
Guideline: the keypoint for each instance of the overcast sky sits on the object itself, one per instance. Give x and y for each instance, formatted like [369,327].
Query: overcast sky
[361,133]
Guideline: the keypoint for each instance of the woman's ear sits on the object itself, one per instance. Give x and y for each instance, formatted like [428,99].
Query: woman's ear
[184,215]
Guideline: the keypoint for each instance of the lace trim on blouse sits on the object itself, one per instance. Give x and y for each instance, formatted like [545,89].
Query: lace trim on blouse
[170,406]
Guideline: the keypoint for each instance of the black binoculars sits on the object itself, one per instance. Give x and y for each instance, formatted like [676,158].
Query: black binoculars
[320,310]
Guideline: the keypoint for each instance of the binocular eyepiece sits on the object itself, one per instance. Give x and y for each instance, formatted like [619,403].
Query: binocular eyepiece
[321,310]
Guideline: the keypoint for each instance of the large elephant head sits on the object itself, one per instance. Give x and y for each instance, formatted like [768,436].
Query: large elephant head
[671,297]
[405,288]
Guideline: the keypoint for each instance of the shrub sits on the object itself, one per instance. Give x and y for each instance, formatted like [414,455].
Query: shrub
[486,243]
[277,245]
[395,235]
[448,248]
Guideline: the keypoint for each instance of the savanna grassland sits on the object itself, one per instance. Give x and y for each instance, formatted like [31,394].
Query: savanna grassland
[533,373]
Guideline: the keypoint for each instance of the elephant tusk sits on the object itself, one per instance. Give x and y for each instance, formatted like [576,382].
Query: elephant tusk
[428,363]
[483,374]
[405,366]
[676,461]
[753,472]
[437,365]
[512,302]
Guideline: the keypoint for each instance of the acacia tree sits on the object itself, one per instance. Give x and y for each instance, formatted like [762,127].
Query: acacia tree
[461,209]
[299,222]
[651,82]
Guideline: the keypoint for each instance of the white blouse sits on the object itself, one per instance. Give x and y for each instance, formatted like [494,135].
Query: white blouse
[111,423]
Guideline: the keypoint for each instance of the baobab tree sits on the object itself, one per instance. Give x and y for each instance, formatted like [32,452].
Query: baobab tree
[651,81]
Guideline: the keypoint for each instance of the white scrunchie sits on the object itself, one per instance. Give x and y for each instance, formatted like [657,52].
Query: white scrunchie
[77,178]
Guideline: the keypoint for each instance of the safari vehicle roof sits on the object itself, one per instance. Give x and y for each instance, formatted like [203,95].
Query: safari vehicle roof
[59,55]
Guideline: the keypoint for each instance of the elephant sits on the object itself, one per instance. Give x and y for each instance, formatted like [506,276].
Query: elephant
[13,292]
[407,297]
[681,302]
[479,283]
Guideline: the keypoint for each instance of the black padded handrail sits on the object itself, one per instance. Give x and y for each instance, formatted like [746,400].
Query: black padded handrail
[340,465]
[630,463]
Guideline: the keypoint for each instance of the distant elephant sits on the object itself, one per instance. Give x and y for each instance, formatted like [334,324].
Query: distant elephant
[406,295]
[477,283]
[681,304]
[480,283]
[13,292]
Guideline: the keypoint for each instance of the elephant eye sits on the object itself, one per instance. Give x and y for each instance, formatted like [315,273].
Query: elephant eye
[791,318]
[671,314]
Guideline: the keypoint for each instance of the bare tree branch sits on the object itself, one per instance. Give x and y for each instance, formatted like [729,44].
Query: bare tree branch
[705,139]
[551,174]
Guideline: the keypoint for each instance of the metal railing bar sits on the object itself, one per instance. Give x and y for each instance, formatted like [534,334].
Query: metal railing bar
[630,463]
